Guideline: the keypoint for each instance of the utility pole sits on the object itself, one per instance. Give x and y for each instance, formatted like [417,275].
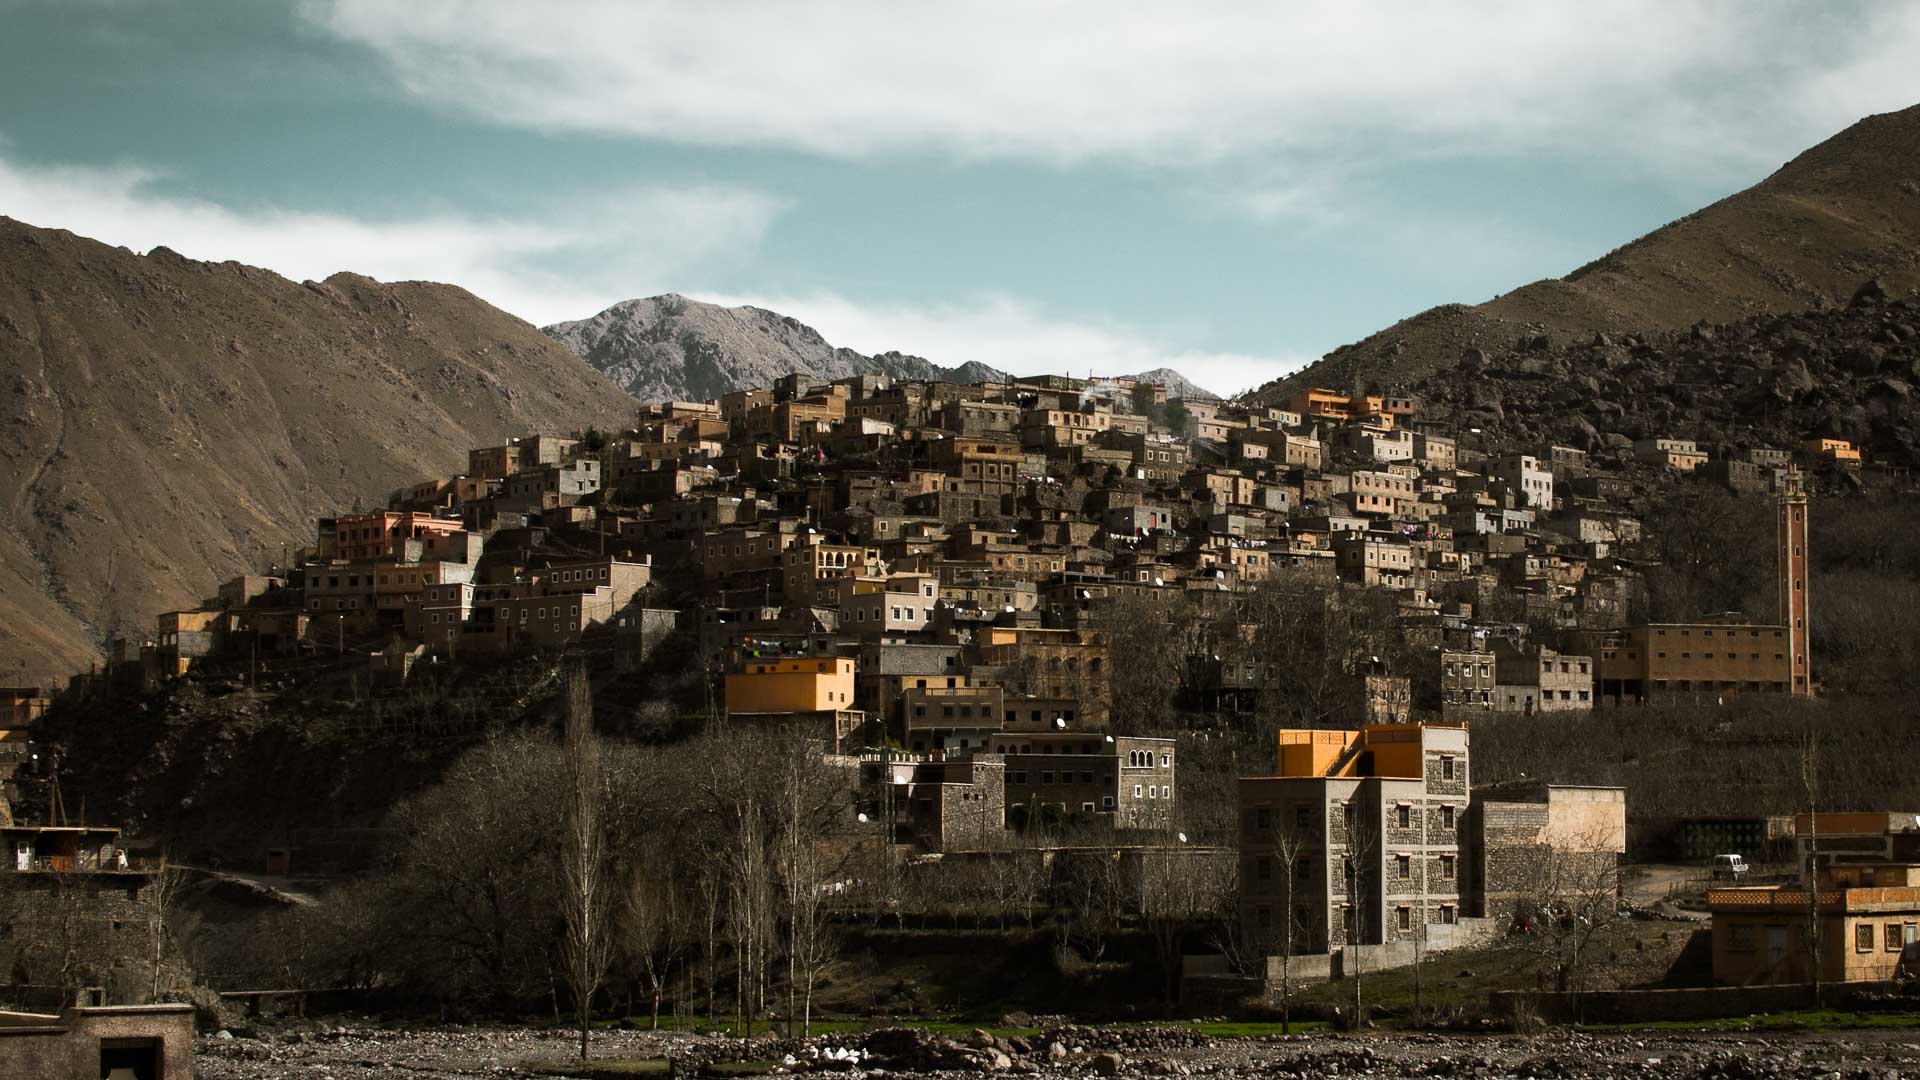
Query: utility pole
[1810,776]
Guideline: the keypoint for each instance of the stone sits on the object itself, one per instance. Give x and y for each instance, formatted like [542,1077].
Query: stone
[1870,294]
[1056,1052]
[1107,1063]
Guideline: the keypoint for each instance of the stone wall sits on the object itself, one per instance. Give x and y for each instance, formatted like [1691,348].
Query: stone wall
[78,929]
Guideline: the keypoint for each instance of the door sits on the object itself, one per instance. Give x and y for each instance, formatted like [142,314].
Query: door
[130,1059]
[1776,953]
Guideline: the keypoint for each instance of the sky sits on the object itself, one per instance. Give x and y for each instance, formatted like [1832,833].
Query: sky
[1230,189]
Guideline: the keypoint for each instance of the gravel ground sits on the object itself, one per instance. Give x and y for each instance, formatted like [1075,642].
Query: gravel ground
[453,1052]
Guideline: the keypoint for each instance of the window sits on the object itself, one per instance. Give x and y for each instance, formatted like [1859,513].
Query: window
[1406,918]
[1406,816]
[1106,802]
[1262,819]
[1446,817]
[1136,791]
[1446,867]
[1046,777]
[1892,937]
[1446,768]
[1448,915]
[1262,869]
[1404,865]
[1863,937]
[1302,816]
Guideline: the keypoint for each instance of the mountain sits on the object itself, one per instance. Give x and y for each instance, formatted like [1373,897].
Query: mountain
[170,423]
[1850,373]
[670,348]
[1177,385]
[1801,240]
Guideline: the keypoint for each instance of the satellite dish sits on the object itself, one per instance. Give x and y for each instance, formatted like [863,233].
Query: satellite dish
[1110,739]
[1158,581]
[1060,722]
[863,819]
[1182,836]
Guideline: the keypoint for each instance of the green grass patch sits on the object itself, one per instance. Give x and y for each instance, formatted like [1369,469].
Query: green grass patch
[1801,1021]
[600,1068]
[1255,1029]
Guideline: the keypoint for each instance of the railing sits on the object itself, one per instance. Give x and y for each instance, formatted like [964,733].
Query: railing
[68,864]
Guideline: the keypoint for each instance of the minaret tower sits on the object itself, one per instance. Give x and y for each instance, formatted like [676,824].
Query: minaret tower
[1792,563]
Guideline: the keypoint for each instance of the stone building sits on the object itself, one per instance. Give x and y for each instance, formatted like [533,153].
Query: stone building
[1530,843]
[1371,841]
[76,910]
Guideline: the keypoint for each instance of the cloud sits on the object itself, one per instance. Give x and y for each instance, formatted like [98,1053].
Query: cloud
[1675,86]
[543,267]
[1010,334]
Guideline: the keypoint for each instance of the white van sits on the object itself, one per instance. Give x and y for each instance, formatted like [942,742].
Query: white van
[1729,868]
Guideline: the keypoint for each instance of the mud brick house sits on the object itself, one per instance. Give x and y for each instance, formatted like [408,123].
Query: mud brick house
[141,1042]
[1867,870]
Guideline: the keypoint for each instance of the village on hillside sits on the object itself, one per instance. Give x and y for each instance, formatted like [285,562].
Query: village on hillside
[1002,618]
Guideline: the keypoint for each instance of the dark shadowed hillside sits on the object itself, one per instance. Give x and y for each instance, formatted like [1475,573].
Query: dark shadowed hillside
[170,423]
[1802,239]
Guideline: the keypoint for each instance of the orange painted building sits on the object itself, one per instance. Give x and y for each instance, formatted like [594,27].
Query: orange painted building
[1327,405]
[791,685]
[382,534]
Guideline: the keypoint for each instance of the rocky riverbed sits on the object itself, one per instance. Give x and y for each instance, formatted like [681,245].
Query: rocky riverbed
[365,1053]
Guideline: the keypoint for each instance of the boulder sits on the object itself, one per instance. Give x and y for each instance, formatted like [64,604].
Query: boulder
[1871,293]
[1106,1064]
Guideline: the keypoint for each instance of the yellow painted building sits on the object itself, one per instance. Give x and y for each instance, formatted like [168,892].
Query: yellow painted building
[1833,449]
[796,685]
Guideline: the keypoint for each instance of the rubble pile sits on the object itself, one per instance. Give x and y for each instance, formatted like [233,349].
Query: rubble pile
[341,1053]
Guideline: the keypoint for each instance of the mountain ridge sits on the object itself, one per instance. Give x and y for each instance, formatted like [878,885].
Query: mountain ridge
[174,422]
[671,347]
[1802,239]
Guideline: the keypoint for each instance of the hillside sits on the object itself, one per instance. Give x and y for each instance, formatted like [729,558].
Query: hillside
[1768,381]
[670,348]
[1802,239]
[171,423]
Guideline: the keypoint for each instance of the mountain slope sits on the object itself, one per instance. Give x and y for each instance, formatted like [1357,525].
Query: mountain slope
[170,423]
[1802,239]
[670,348]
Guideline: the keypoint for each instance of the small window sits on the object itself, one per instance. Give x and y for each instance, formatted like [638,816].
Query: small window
[1446,817]
[1404,863]
[1406,918]
[1405,816]
[1863,937]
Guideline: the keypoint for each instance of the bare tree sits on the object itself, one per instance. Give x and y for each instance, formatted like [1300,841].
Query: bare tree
[1290,843]
[1361,863]
[586,895]
[814,805]
[1567,916]
[1180,892]
[651,925]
